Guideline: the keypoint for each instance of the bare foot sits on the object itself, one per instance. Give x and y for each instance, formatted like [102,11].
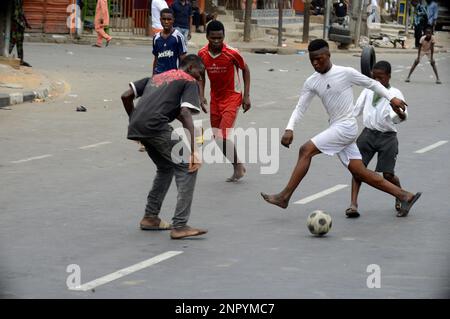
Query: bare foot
[239,172]
[275,200]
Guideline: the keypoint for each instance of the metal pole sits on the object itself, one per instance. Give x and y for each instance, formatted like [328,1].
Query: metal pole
[7,28]
[248,20]
[306,21]
[358,23]
[280,23]
[407,17]
[326,25]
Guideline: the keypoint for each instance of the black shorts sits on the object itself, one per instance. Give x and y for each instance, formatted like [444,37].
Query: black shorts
[383,143]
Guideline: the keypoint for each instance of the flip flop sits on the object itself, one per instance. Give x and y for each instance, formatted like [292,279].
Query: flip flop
[406,206]
[351,213]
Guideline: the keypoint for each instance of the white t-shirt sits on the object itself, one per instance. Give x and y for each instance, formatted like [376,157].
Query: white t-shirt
[335,90]
[157,6]
[377,117]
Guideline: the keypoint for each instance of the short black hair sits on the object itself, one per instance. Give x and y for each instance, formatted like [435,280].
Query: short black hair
[428,27]
[317,44]
[384,66]
[166,10]
[192,59]
[215,25]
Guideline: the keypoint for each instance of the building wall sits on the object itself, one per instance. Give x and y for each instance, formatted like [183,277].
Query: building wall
[47,16]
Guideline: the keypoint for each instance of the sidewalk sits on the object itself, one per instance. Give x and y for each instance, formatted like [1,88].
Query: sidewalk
[25,85]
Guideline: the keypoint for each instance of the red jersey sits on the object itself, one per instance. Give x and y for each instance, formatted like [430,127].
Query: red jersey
[223,71]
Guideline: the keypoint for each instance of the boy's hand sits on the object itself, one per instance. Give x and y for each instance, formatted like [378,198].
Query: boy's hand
[203,104]
[194,162]
[398,105]
[287,138]
[246,104]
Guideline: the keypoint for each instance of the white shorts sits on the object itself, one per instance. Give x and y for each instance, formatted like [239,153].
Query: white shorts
[339,139]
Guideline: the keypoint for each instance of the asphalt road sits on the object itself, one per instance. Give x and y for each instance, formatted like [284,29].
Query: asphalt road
[74,190]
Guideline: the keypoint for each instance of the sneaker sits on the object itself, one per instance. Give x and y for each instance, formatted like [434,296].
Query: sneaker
[407,80]
[438,82]
[154,223]
[186,231]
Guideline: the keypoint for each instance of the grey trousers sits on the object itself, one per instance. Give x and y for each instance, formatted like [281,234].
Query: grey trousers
[159,148]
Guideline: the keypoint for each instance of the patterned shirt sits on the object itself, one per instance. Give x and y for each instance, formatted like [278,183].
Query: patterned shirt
[168,51]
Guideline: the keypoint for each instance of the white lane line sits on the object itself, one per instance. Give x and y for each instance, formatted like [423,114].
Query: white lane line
[321,194]
[396,71]
[266,104]
[431,147]
[94,145]
[31,158]
[126,271]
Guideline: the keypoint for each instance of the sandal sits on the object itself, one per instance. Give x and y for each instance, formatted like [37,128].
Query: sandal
[352,213]
[398,204]
[406,206]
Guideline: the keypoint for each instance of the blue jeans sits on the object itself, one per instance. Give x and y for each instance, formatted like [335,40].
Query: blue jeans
[185,33]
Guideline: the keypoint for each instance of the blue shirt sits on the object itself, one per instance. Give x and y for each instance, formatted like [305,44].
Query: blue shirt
[168,51]
[181,13]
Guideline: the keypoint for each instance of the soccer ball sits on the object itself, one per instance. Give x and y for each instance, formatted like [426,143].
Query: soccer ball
[319,222]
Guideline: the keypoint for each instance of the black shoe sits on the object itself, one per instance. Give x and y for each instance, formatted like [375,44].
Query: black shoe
[23,63]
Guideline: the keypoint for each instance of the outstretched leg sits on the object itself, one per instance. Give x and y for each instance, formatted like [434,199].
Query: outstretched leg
[306,152]
[416,62]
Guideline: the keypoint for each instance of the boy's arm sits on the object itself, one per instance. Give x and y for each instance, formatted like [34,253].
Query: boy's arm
[127,100]
[246,104]
[360,79]
[203,101]
[304,101]
[185,117]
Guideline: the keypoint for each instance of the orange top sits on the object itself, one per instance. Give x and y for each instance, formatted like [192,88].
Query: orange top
[101,12]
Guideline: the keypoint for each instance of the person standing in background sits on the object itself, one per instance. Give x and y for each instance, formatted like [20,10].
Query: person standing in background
[420,21]
[432,12]
[101,21]
[182,12]
[18,24]
[157,6]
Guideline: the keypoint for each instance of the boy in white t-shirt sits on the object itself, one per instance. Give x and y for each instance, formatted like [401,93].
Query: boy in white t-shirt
[333,85]
[426,48]
[379,134]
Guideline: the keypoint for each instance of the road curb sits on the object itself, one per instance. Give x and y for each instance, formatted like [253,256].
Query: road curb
[19,98]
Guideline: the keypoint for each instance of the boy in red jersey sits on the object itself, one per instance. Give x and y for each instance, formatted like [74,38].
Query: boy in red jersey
[222,64]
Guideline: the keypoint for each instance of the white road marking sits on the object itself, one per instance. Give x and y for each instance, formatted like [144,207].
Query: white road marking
[430,147]
[266,104]
[126,271]
[94,145]
[31,158]
[396,71]
[321,194]
[293,97]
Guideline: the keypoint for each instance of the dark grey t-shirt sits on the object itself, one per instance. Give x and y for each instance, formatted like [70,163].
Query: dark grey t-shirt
[161,98]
